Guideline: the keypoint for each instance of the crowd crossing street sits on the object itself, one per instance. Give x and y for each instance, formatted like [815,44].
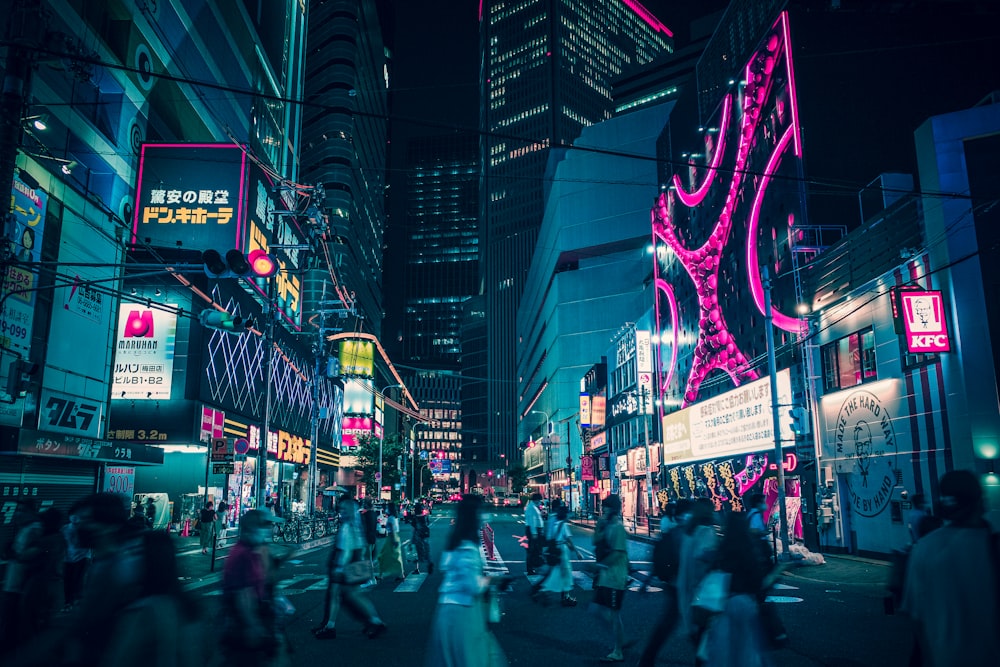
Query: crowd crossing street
[833,612]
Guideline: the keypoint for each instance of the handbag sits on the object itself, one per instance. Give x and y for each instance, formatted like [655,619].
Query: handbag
[358,572]
[552,554]
[409,552]
[711,593]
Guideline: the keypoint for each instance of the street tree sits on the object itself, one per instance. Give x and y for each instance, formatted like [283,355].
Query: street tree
[393,447]
[518,476]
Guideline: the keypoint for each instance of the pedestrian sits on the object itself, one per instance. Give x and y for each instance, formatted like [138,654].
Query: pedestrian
[251,637]
[390,560]
[150,512]
[460,636]
[348,547]
[533,529]
[421,538]
[951,587]
[42,581]
[735,637]
[221,522]
[610,550]
[21,555]
[697,555]
[161,627]
[369,526]
[206,526]
[76,560]
[559,578]
[113,581]
[666,561]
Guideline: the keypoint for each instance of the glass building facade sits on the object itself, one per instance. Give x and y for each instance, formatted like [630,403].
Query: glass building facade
[547,68]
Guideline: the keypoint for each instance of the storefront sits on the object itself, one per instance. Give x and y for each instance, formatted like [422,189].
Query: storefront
[56,469]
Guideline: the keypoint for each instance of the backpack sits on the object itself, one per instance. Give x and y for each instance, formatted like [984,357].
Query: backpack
[667,555]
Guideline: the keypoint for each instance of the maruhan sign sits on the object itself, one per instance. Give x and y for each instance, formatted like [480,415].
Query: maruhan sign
[737,422]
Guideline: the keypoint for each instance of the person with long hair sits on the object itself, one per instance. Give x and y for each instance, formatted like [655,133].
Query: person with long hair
[459,634]
[610,550]
[559,578]
[390,560]
[696,558]
[735,637]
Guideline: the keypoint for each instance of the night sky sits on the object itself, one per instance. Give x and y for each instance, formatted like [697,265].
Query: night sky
[868,76]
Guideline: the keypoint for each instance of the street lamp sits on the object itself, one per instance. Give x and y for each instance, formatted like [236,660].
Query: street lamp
[546,443]
[772,373]
[378,482]
[643,391]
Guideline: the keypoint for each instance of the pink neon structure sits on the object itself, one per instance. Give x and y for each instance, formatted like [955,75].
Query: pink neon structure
[716,349]
[782,321]
[648,17]
[668,293]
[693,199]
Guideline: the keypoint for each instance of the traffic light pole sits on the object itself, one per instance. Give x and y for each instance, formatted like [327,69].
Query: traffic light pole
[266,435]
[775,425]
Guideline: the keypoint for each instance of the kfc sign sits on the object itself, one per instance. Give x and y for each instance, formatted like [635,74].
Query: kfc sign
[922,316]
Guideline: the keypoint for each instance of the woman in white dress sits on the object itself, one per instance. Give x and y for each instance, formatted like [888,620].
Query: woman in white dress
[559,578]
[459,634]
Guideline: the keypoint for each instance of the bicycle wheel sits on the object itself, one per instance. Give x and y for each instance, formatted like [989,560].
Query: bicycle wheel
[319,527]
[276,535]
[305,530]
[289,531]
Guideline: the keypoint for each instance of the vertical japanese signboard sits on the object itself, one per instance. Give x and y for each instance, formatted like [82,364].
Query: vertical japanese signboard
[144,352]
[25,229]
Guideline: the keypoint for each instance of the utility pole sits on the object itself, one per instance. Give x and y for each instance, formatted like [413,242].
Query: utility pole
[649,477]
[268,344]
[772,372]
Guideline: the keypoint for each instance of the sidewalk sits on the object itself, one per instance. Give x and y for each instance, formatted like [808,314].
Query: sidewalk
[839,569]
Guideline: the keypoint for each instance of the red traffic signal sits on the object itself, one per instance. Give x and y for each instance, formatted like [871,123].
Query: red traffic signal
[258,264]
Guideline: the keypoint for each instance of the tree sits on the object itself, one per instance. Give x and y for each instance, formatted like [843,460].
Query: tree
[367,453]
[518,476]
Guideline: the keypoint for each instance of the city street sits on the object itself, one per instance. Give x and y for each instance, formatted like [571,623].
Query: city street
[833,612]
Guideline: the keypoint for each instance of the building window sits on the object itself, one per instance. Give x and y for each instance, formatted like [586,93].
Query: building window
[849,361]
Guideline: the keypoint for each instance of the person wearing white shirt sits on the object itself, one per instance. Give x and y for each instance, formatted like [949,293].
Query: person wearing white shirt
[534,529]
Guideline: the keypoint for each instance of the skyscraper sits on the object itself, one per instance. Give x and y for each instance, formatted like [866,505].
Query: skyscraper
[442,248]
[344,145]
[547,67]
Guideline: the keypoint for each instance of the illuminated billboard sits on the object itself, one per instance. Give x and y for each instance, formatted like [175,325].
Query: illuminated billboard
[732,210]
[357,357]
[190,196]
[359,397]
[144,352]
[352,427]
[920,315]
[25,226]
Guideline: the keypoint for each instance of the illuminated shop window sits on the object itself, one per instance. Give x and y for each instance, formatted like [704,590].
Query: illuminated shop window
[849,361]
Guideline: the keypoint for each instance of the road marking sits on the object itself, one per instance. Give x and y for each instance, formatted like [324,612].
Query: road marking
[784,587]
[411,584]
[782,599]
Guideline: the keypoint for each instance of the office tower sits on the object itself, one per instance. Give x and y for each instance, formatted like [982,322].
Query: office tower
[344,145]
[441,270]
[442,248]
[546,73]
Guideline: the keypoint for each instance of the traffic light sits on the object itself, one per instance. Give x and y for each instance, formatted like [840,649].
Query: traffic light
[800,421]
[18,376]
[257,264]
[222,321]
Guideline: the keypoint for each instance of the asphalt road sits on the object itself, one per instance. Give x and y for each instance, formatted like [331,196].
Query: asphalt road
[833,613]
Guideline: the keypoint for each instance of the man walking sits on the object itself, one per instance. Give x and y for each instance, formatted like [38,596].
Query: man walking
[951,584]
[533,530]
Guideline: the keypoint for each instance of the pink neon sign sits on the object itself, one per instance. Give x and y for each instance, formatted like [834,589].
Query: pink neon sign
[763,116]
[924,321]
